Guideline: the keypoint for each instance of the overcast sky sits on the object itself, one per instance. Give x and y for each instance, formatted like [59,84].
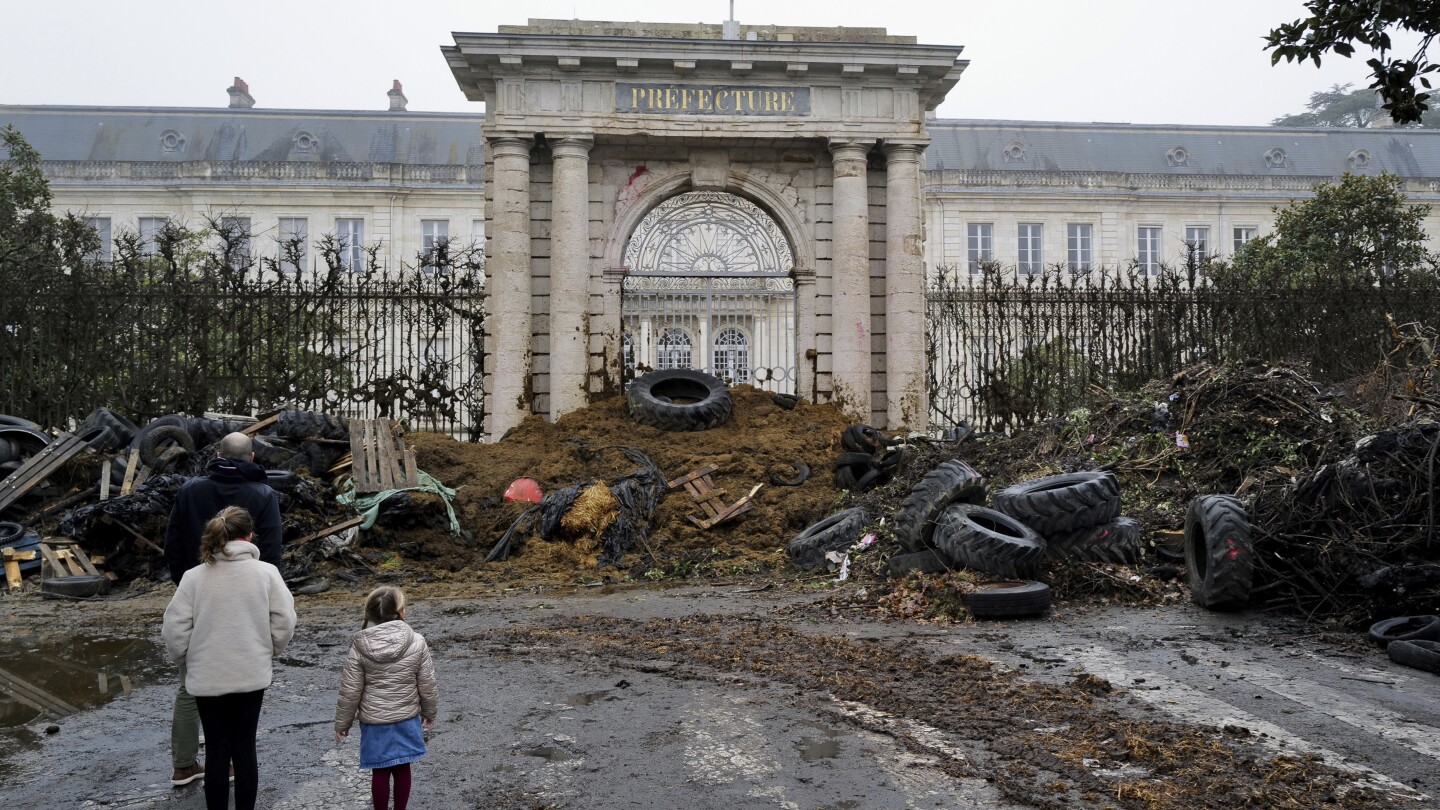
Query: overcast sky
[1140,61]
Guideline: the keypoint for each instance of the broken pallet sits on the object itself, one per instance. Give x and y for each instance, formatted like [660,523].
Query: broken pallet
[702,488]
[380,460]
[39,467]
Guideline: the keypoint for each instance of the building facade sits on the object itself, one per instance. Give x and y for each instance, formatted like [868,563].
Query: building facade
[766,203]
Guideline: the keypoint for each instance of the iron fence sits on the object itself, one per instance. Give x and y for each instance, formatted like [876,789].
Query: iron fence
[154,336]
[1006,351]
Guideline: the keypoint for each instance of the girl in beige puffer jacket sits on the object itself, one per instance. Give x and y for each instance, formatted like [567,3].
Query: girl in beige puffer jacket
[389,682]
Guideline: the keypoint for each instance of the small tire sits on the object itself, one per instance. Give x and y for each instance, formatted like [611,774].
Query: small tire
[100,439]
[1008,600]
[1057,504]
[10,533]
[1422,654]
[1117,542]
[169,420]
[808,548]
[78,587]
[281,480]
[123,428]
[983,539]
[1218,556]
[861,439]
[1405,628]
[853,460]
[786,401]
[154,441]
[952,482]
[710,404]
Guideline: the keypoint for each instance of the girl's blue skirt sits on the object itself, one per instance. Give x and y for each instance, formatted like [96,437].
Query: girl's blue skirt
[389,744]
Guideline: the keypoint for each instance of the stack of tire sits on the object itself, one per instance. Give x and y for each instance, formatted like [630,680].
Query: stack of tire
[1078,514]
[171,443]
[1411,641]
[867,461]
[944,519]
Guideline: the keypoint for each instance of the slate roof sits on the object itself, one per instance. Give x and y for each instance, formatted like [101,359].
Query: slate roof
[972,145]
[186,134]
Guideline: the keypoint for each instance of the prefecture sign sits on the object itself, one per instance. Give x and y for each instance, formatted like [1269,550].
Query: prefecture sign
[705,99]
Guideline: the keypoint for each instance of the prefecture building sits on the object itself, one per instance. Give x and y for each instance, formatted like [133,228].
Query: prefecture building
[762,202]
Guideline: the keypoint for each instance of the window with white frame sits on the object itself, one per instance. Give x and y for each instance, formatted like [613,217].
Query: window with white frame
[627,350]
[1244,234]
[351,236]
[105,250]
[980,244]
[1030,255]
[1079,238]
[436,349]
[1197,243]
[434,233]
[732,356]
[673,350]
[1148,249]
[237,231]
[150,229]
[294,238]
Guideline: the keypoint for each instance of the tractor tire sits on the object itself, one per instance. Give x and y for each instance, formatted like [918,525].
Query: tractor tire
[155,441]
[15,421]
[123,429]
[1218,555]
[1057,504]
[705,401]
[985,540]
[808,548]
[1008,600]
[861,439]
[1117,542]
[952,482]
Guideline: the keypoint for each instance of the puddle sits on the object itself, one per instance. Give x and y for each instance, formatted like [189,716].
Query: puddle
[548,752]
[811,749]
[503,769]
[61,675]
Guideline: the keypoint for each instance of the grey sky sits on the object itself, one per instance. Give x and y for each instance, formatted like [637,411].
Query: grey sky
[1141,61]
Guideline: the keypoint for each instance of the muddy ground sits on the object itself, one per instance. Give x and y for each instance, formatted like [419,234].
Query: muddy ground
[756,695]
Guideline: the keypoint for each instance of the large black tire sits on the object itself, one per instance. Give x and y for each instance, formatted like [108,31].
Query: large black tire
[10,533]
[861,439]
[1057,504]
[80,587]
[300,425]
[697,401]
[8,451]
[985,540]
[1416,654]
[808,548]
[156,440]
[169,420]
[16,421]
[1117,542]
[1405,628]
[1008,600]
[1218,555]
[27,440]
[952,482]
[123,429]
[100,439]
[929,561]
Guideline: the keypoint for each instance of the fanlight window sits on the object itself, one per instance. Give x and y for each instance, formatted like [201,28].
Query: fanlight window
[673,349]
[708,233]
[732,356]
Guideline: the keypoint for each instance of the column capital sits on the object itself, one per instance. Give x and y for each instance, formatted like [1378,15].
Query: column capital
[903,151]
[571,146]
[848,149]
[509,146]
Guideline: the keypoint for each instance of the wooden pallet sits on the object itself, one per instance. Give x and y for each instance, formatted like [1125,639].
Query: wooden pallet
[39,467]
[702,488]
[63,557]
[379,459]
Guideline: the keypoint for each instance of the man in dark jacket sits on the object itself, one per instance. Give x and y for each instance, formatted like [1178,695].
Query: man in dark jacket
[232,479]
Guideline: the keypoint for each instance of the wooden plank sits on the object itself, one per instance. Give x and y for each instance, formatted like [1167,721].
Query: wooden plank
[358,459]
[130,471]
[17,686]
[51,562]
[329,530]
[13,559]
[105,481]
[39,467]
[412,471]
[72,547]
[703,471]
[252,430]
[384,458]
[71,564]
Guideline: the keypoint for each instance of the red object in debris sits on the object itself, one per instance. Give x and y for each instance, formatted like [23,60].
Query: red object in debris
[523,489]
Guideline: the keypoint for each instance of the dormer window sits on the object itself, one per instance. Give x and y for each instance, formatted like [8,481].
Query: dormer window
[306,142]
[172,141]
[1015,152]
[1275,158]
[1359,159]
[1178,157]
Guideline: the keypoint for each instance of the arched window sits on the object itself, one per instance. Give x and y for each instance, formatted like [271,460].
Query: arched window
[673,349]
[627,350]
[732,356]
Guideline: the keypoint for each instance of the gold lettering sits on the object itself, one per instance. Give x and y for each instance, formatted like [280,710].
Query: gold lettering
[671,98]
[704,99]
[649,94]
[787,101]
[772,100]
[750,100]
[720,97]
[687,99]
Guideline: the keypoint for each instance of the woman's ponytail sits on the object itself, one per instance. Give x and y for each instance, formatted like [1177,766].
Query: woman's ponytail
[230,523]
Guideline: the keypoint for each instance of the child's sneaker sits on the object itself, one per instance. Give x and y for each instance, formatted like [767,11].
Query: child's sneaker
[184,776]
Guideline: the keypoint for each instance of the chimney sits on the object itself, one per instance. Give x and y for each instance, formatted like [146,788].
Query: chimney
[240,95]
[397,98]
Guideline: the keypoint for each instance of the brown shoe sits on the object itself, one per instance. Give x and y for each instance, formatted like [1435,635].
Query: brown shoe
[184,776]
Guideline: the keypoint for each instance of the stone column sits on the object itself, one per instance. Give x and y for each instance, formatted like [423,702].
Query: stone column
[850,279]
[904,289]
[508,282]
[569,274]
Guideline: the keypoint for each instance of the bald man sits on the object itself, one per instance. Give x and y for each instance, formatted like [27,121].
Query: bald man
[232,479]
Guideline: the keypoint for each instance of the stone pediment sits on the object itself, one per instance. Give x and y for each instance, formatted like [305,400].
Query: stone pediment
[870,86]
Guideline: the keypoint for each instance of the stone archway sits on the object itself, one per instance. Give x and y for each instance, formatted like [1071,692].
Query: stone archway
[711,270]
